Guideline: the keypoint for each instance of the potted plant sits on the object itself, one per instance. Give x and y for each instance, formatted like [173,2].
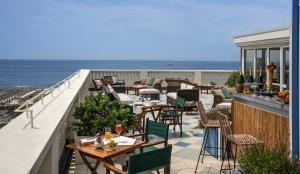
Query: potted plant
[239,86]
[98,112]
[265,160]
[233,78]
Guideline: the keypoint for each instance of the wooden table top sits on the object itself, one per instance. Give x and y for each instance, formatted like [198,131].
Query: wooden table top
[99,153]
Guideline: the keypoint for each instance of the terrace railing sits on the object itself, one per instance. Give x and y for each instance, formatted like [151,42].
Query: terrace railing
[66,83]
[198,76]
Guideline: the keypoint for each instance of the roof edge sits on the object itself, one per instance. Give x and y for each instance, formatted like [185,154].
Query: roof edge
[262,32]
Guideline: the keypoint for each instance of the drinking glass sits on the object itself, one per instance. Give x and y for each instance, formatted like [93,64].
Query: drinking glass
[107,134]
[118,129]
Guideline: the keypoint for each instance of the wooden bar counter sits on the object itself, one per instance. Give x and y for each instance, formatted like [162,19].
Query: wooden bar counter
[264,118]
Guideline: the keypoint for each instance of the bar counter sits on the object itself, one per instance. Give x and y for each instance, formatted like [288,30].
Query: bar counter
[263,117]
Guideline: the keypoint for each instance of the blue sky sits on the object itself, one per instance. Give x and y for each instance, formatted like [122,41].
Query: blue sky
[132,29]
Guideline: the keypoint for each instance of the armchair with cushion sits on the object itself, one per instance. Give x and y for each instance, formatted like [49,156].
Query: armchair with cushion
[188,92]
[222,95]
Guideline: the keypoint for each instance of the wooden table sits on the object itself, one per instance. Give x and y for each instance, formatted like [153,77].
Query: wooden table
[154,107]
[206,87]
[136,88]
[99,154]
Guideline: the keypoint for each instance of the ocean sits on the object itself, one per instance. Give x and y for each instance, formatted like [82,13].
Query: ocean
[43,73]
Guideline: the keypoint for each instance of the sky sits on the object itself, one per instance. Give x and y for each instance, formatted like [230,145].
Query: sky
[200,30]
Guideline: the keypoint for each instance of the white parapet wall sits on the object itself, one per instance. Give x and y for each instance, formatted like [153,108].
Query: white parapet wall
[25,149]
[198,76]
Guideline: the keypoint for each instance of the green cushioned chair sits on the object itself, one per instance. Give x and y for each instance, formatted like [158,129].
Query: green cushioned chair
[145,162]
[173,115]
[154,128]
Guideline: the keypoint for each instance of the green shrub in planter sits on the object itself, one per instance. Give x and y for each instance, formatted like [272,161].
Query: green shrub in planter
[98,112]
[263,160]
[233,78]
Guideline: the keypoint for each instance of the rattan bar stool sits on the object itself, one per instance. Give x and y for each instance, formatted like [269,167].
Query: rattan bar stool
[208,124]
[233,139]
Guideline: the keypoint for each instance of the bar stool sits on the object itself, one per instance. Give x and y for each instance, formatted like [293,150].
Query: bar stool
[208,124]
[234,139]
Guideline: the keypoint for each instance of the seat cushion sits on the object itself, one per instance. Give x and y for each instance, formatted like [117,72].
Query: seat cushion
[149,91]
[223,105]
[186,86]
[170,113]
[125,98]
[172,95]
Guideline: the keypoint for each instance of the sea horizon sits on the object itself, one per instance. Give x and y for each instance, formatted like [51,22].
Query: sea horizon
[27,73]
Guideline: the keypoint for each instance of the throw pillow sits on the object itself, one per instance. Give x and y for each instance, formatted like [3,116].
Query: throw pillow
[98,82]
[115,79]
[143,81]
[183,86]
[226,93]
[151,80]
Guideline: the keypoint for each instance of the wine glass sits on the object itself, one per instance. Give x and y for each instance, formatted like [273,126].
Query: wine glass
[118,129]
[261,87]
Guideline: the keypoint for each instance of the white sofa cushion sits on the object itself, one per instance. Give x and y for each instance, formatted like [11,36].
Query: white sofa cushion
[149,91]
[125,98]
[186,86]
[172,95]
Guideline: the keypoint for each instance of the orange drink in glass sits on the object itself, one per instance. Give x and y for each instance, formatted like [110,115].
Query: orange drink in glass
[107,134]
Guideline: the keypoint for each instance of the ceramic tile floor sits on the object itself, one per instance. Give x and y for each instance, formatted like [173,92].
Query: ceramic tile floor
[185,149]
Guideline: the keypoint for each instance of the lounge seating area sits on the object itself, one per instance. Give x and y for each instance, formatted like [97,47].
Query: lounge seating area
[153,107]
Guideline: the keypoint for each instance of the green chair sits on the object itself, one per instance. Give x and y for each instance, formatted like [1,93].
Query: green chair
[173,115]
[145,162]
[154,128]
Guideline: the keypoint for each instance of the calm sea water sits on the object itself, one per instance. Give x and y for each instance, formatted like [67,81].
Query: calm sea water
[43,73]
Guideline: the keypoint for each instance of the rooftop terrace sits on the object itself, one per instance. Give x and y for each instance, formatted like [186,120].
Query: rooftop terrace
[43,128]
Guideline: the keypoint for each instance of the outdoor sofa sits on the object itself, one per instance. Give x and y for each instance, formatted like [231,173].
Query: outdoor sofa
[151,82]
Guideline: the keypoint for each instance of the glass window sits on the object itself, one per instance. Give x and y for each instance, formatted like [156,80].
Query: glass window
[286,70]
[261,63]
[249,56]
[275,58]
